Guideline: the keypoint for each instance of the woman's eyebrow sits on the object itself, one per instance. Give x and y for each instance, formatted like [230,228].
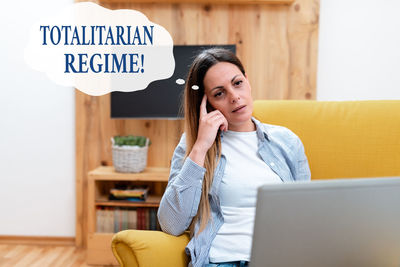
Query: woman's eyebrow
[220,86]
[217,87]
[234,77]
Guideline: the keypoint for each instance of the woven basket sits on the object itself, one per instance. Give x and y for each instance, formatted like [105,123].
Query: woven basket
[129,158]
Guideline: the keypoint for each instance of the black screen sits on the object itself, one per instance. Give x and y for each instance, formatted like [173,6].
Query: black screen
[162,98]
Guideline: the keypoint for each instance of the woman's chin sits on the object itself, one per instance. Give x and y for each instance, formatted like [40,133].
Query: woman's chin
[241,117]
[244,123]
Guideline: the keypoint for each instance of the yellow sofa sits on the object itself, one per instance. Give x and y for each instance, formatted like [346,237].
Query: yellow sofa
[345,139]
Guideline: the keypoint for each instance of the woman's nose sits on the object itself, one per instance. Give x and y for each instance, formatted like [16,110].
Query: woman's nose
[234,98]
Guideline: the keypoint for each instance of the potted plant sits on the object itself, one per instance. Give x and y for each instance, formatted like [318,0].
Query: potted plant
[129,153]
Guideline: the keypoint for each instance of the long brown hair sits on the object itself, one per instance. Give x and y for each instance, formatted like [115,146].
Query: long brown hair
[192,100]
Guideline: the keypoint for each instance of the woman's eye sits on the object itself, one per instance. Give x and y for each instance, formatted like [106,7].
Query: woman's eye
[218,94]
[238,82]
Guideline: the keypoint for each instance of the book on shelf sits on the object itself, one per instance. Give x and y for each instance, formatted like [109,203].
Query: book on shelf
[109,220]
[139,219]
[129,193]
[99,220]
[104,220]
[115,219]
[153,219]
[132,219]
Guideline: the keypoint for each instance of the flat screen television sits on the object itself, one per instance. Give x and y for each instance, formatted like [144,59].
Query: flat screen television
[162,98]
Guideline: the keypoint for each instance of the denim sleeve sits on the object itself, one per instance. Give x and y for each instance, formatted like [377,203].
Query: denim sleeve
[181,198]
[303,172]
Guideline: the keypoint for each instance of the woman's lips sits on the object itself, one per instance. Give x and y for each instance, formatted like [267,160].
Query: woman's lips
[239,109]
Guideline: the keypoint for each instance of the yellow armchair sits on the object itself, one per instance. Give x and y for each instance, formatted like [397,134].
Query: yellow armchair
[134,248]
[344,139]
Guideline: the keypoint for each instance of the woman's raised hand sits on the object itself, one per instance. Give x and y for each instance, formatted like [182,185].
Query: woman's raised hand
[209,123]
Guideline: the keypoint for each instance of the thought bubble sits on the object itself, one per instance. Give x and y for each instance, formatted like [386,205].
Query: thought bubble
[180,81]
[98,50]
[195,87]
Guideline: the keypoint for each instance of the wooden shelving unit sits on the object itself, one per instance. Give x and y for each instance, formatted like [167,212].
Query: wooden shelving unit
[151,202]
[100,181]
[230,2]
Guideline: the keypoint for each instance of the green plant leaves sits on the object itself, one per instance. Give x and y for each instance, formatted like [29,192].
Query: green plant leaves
[130,140]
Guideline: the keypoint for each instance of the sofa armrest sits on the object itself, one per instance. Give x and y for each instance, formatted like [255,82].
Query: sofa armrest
[134,248]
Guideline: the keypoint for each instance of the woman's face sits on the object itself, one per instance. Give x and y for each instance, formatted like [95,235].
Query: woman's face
[229,91]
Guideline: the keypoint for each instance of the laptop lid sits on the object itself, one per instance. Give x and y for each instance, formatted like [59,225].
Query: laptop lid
[346,222]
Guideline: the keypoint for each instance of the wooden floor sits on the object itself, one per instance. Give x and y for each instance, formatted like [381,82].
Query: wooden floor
[42,256]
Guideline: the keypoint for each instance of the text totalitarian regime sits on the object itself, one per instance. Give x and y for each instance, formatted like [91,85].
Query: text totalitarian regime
[106,63]
[102,35]
[97,35]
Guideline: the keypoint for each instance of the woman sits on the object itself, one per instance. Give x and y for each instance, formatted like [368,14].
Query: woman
[222,158]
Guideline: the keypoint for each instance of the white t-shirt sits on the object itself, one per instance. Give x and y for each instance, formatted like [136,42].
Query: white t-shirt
[244,172]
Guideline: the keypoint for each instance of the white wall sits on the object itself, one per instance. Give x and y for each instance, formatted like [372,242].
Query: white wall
[37,136]
[359,50]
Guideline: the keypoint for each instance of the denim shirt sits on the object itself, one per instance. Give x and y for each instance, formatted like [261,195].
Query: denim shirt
[278,147]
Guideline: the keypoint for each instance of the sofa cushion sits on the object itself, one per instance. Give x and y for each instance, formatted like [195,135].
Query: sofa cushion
[342,139]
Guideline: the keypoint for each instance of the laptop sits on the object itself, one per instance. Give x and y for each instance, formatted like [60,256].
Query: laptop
[346,222]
